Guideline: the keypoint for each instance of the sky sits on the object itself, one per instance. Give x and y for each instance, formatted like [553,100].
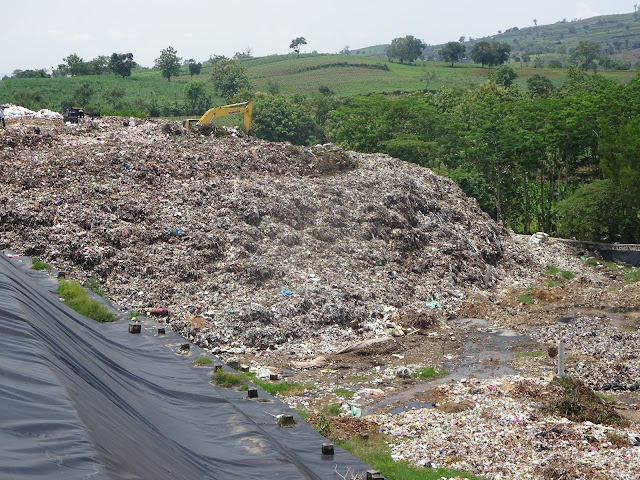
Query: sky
[40,33]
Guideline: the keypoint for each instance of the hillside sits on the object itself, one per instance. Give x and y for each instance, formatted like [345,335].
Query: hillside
[616,35]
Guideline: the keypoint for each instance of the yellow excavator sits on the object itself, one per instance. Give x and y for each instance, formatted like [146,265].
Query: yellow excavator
[244,107]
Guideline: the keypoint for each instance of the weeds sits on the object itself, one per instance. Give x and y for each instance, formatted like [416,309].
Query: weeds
[323,426]
[528,354]
[527,299]
[227,380]
[94,285]
[36,264]
[617,439]
[579,403]
[566,274]
[342,392]
[280,388]
[633,276]
[331,410]
[428,372]
[375,452]
[76,298]
[203,361]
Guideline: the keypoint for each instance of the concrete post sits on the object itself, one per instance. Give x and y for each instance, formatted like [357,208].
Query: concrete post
[560,359]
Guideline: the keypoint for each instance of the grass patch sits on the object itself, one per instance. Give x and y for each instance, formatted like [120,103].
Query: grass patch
[566,274]
[528,299]
[203,361]
[633,276]
[428,372]
[94,285]
[357,379]
[36,264]
[227,380]
[579,404]
[331,410]
[342,392]
[528,354]
[76,298]
[302,413]
[376,453]
[280,388]
[552,283]
[133,314]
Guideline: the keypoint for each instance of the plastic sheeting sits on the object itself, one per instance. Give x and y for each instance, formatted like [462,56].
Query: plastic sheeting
[81,400]
[630,257]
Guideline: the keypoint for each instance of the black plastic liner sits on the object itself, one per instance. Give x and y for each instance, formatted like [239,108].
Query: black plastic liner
[82,400]
[630,257]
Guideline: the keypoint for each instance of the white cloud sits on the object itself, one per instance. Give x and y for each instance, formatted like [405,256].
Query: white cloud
[119,34]
[54,33]
[82,36]
[585,10]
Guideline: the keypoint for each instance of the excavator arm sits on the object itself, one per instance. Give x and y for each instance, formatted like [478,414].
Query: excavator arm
[244,108]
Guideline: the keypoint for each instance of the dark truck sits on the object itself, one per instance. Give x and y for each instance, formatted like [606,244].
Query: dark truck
[73,115]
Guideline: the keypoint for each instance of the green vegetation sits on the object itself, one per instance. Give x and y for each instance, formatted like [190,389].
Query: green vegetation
[343,393]
[566,274]
[526,299]
[227,380]
[528,354]
[203,361]
[633,276]
[579,403]
[36,264]
[302,413]
[331,410]
[428,372]
[376,453]
[323,426]
[76,298]
[279,388]
[94,285]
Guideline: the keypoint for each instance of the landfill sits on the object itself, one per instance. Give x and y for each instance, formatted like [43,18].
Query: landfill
[336,268]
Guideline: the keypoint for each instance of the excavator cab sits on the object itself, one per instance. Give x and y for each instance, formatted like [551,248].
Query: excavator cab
[244,108]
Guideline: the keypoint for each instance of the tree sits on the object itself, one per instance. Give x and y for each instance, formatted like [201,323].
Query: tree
[121,64]
[195,95]
[279,119]
[586,54]
[539,86]
[405,48]
[76,65]
[452,52]
[505,75]
[229,76]
[296,43]
[486,53]
[535,22]
[169,63]
[99,65]
[194,67]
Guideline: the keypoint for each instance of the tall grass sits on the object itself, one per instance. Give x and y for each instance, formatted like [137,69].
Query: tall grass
[76,298]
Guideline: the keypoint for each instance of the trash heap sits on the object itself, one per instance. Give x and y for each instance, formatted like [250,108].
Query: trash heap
[495,428]
[261,242]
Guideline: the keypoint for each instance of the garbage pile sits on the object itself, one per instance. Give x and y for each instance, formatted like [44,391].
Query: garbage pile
[494,428]
[610,359]
[261,242]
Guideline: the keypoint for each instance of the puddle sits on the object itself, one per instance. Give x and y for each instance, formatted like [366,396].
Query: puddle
[486,353]
[486,350]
